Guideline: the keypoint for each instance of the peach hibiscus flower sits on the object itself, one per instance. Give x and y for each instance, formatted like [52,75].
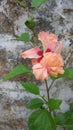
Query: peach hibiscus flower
[48,62]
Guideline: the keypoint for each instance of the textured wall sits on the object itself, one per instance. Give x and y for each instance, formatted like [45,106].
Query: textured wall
[55,16]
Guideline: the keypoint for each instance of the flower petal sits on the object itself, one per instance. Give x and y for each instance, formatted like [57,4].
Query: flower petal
[54,71]
[52,60]
[32,53]
[35,61]
[59,48]
[40,72]
[54,74]
[48,40]
[60,70]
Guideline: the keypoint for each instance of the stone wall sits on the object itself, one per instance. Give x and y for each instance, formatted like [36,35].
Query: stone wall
[55,16]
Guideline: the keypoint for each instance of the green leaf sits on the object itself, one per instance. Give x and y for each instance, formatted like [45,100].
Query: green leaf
[30,24]
[35,103]
[41,120]
[21,3]
[69,127]
[19,69]
[37,3]
[31,87]
[69,115]
[69,123]
[71,106]
[68,74]
[61,119]
[24,37]
[64,119]
[54,103]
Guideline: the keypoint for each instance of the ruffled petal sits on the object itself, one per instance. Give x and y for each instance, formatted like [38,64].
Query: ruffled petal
[54,71]
[59,48]
[52,60]
[54,74]
[40,72]
[32,53]
[35,61]
[48,40]
[60,70]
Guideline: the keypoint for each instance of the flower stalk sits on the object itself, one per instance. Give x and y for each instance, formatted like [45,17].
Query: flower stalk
[47,89]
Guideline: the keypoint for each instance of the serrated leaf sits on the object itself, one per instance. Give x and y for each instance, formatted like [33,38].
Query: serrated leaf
[68,74]
[19,69]
[37,3]
[41,120]
[30,24]
[35,103]
[31,87]
[24,37]
[54,104]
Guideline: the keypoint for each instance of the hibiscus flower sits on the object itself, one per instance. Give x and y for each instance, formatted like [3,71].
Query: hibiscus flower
[48,62]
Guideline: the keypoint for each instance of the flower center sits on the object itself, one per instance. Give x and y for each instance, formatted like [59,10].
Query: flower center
[40,53]
[48,50]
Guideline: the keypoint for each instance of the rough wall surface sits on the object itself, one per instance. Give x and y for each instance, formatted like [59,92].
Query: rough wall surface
[55,16]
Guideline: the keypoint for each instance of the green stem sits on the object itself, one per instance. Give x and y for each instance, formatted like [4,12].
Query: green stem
[47,89]
[51,84]
[43,99]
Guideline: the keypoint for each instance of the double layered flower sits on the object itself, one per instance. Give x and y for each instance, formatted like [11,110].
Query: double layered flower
[48,62]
